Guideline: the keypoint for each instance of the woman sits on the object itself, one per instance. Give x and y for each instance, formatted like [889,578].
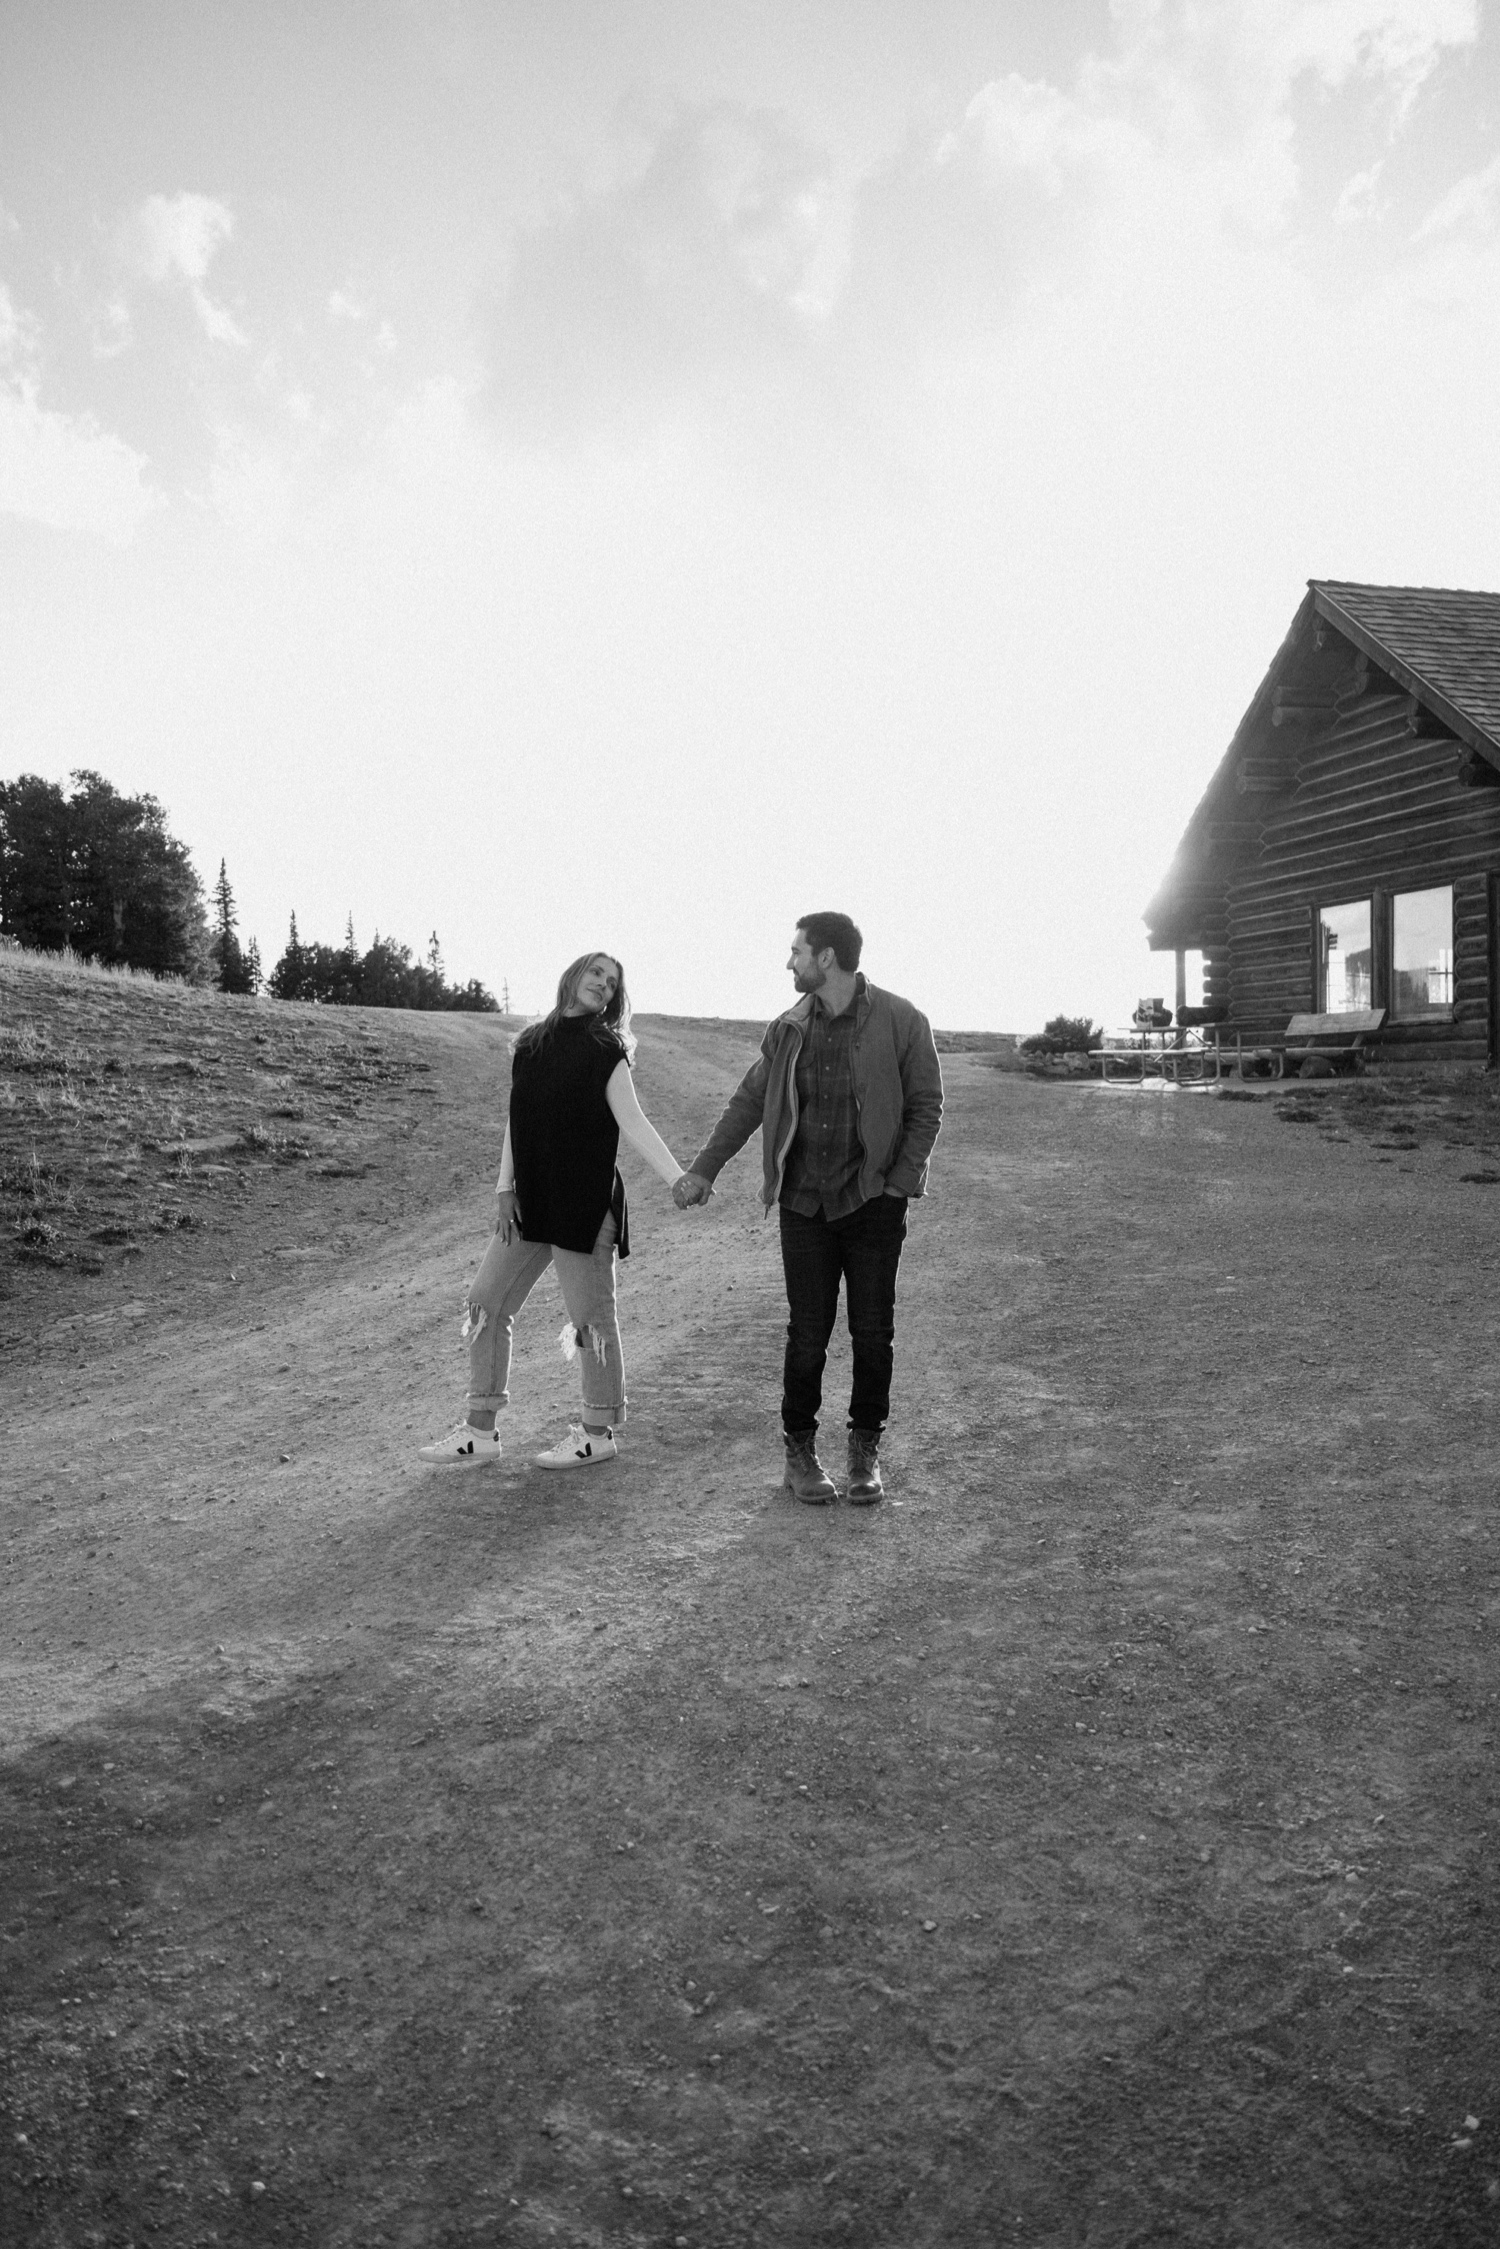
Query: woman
[561,1201]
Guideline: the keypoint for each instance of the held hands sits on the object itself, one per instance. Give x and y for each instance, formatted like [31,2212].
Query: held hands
[691,1188]
[507,1214]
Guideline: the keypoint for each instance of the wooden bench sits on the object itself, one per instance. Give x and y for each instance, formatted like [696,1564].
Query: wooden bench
[1337,1039]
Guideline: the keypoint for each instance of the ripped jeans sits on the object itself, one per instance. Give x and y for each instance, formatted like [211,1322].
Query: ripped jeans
[506,1278]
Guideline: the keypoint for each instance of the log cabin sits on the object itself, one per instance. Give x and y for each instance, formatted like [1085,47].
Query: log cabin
[1345,858]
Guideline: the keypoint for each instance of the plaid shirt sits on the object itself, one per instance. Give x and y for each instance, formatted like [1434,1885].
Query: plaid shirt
[823,1165]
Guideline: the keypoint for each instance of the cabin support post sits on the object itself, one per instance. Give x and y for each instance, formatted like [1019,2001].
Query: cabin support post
[1492,963]
[1382,939]
[1181,992]
[1315,955]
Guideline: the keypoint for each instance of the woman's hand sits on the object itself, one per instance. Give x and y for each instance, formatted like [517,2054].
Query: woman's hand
[507,1213]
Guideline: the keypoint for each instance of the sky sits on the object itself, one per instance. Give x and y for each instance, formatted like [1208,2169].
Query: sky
[590,473]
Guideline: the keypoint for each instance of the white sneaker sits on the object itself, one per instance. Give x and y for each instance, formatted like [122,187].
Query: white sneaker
[463,1447]
[581,1448]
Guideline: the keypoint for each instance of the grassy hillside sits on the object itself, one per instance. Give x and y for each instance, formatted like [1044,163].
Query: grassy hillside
[133,1112]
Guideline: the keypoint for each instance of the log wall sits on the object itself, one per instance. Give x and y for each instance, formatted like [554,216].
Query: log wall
[1371,807]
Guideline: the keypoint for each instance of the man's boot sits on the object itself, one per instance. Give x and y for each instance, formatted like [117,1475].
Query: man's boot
[806,1478]
[864,1487]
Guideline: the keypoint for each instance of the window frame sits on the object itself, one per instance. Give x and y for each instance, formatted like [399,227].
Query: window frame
[1444,1013]
[1368,899]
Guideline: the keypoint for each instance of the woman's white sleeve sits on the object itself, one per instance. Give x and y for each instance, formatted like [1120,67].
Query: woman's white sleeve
[505,1184]
[632,1121]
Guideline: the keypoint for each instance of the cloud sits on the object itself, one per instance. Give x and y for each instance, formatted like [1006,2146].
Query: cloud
[113,331]
[1396,43]
[1472,204]
[20,336]
[949,242]
[218,324]
[725,267]
[716,248]
[69,474]
[1204,96]
[347,305]
[1018,129]
[1357,197]
[58,469]
[180,235]
[173,240]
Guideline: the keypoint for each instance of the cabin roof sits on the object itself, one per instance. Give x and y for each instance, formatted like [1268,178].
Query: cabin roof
[1440,643]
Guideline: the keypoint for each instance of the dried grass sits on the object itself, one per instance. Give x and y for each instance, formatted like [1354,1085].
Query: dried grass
[73,968]
[126,1082]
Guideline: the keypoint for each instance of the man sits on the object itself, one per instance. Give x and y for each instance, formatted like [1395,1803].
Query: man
[849,1097]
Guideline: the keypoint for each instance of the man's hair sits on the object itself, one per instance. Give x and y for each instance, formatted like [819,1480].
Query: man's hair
[835,931]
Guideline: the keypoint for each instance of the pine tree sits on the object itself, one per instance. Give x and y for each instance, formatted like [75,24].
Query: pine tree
[343,972]
[253,967]
[230,971]
[287,978]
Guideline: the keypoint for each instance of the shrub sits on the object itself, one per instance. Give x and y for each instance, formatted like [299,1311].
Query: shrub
[1065,1034]
[36,1238]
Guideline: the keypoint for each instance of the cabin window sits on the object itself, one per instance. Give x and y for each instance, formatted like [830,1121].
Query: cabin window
[1344,958]
[1422,952]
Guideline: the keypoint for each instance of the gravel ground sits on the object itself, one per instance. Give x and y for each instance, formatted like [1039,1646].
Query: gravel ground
[1091,1846]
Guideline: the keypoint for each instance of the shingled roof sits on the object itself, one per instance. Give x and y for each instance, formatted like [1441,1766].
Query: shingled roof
[1439,643]
[1443,645]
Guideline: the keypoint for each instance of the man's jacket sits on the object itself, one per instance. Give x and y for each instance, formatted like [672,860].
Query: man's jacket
[898,1095]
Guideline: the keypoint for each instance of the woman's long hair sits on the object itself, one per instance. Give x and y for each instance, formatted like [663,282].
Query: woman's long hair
[611,1026]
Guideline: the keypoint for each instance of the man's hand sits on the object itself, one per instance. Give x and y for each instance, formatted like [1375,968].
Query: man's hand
[691,1188]
[507,1213]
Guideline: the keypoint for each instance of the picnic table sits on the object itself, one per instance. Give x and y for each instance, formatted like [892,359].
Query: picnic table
[1180,1057]
[1194,1055]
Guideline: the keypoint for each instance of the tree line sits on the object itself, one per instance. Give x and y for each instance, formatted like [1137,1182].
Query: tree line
[384,976]
[99,873]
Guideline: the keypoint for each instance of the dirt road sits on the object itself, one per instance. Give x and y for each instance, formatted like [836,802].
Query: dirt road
[1092,1846]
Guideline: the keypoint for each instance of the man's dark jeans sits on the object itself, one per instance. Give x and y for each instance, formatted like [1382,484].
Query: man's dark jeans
[863,1251]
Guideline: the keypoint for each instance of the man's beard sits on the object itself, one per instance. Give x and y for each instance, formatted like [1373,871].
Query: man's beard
[810,979]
